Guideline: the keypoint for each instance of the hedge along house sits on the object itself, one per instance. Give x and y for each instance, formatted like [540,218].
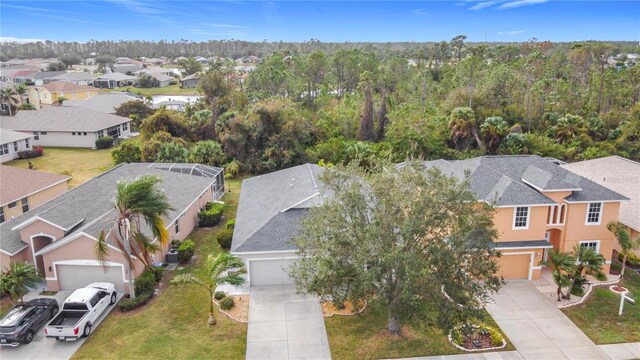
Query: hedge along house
[538,206]
[68,126]
[60,236]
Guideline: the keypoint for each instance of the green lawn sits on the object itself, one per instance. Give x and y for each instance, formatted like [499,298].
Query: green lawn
[174,326]
[365,337]
[167,90]
[598,316]
[81,164]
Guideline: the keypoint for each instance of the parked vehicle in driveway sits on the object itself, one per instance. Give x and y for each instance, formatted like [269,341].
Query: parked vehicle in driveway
[23,321]
[80,311]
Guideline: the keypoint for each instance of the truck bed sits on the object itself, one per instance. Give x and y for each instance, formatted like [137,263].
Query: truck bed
[68,318]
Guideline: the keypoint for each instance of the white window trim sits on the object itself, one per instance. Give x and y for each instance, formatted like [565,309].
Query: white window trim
[586,217]
[515,211]
[558,219]
[591,241]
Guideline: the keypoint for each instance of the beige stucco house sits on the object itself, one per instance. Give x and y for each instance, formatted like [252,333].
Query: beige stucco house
[49,94]
[620,175]
[59,237]
[22,190]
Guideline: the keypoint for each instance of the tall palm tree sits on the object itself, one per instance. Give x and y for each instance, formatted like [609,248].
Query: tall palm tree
[625,242]
[9,97]
[589,262]
[563,264]
[462,123]
[222,269]
[137,203]
[21,90]
[493,130]
[17,279]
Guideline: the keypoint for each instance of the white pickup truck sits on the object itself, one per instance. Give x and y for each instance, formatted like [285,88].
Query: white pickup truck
[80,311]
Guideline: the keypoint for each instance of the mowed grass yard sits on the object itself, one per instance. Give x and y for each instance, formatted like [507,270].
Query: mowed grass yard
[598,316]
[81,164]
[167,90]
[174,325]
[365,336]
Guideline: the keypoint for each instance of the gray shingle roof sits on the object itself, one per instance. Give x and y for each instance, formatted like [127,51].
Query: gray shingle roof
[62,118]
[508,180]
[266,211]
[521,244]
[86,207]
[106,103]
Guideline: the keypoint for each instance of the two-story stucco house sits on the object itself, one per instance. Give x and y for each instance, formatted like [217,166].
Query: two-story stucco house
[59,237]
[538,206]
[51,93]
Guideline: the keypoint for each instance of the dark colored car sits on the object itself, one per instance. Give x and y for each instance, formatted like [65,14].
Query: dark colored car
[22,322]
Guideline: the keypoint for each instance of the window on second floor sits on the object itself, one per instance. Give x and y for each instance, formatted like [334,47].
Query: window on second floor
[521,217]
[557,214]
[594,213]
[25,205]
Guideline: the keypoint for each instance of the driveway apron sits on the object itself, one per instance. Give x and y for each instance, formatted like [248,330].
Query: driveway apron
[537,328]
[285,325]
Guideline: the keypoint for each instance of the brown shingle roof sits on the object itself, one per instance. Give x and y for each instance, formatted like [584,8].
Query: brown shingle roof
[64,86]
[16,183]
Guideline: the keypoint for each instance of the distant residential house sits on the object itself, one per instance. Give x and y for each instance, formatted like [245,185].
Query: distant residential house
[22,190]
[189,82]
[77,77]
[113,80]
[620,175]
[48,94]
[172,105]
[12,142]
[155,71]
[106,103]
[163,80]
[68,126]
[11,75]
[38,78]
[202,60]
[126,68]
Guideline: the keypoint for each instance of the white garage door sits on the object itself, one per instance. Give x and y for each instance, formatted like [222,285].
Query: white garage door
[269,272]
[77,276]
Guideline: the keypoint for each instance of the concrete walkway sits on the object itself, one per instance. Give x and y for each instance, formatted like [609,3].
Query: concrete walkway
[537,328]
[285,325]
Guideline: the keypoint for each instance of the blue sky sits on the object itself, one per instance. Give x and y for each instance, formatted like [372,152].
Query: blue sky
[480,20]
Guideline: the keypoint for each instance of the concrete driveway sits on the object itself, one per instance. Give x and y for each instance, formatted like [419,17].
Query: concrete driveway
[50,349]
[537,328]
[285,325]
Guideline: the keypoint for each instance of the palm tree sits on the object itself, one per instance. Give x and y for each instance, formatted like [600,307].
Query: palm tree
[462,123]
[17,279]
[137,203]
[569,127]
[222,269]
[493,130]
[9,97]
[563,264]
[589,261]
[21,90]
[624,240]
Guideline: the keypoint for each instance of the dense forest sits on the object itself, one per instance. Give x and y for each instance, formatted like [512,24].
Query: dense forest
[452,101]
[231,48]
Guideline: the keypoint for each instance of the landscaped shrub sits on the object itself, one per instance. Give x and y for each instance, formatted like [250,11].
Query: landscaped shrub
[104,142]
[145,282]
[186,249]
[224,238]
[158,271]
[227,303]
[29,154]
[219,295]
[130,304]
[211,215]
[175,243]
[231,224]
[632,259]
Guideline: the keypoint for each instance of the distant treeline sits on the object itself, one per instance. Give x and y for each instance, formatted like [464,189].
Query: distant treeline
[233,48]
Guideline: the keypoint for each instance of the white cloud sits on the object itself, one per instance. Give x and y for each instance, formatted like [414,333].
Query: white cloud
[483,5]
[513,32]
[18,40]
[519,3]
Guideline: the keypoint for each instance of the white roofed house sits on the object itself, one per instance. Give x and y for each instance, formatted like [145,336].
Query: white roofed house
[12,142]
[68,126]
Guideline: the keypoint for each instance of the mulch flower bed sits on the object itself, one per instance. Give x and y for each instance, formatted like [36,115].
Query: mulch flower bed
[618,289]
